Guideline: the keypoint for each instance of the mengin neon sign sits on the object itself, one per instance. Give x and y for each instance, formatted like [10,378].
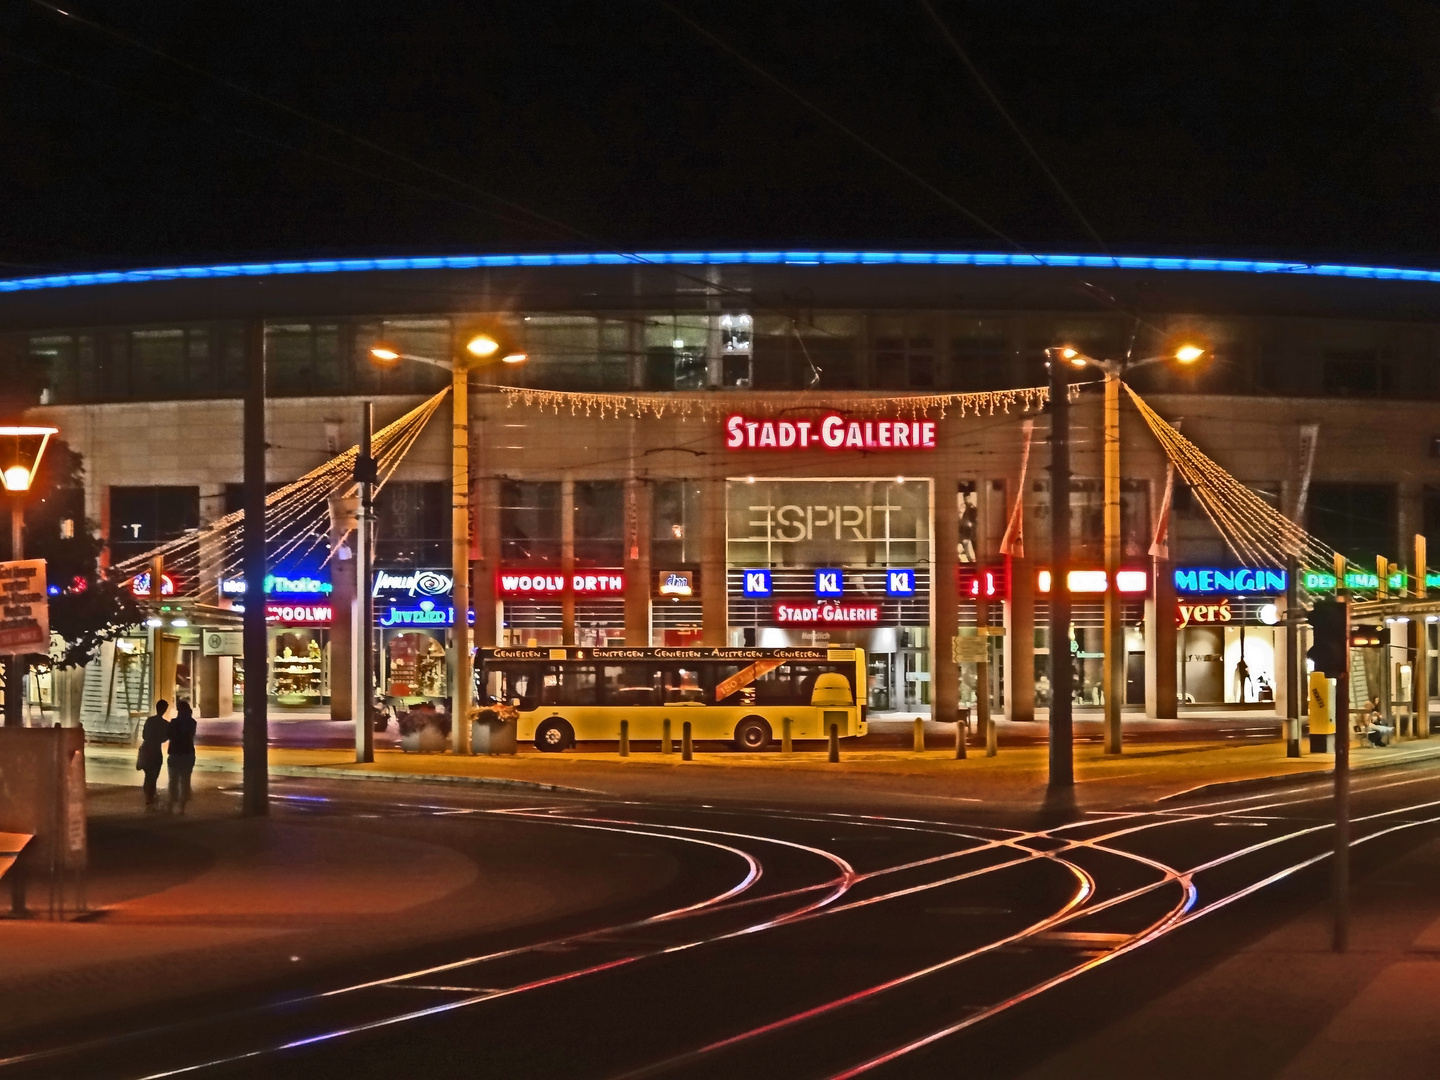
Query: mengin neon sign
[1205,580]
[826,614]
[833,432]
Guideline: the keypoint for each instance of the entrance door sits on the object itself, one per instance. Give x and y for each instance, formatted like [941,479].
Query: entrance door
[1135,678]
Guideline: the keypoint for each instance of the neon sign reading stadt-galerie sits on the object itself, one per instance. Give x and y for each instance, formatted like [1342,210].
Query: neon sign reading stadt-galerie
[833,432]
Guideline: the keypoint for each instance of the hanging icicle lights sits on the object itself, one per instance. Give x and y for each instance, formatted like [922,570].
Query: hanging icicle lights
[297,516]
[711,405]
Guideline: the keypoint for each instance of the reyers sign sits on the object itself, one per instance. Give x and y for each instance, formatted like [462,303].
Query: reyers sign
[831,432]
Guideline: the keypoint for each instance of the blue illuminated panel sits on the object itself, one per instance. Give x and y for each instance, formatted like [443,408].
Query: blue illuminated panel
[721,258]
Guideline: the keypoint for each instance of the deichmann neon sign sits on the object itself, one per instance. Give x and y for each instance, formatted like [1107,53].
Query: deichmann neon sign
[1206,580]
[833,432]
[1318,581]
[826,614]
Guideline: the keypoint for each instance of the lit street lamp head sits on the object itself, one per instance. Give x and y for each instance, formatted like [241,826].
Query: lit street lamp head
[21,448]
[1188,354]
[482,345]
[384,355]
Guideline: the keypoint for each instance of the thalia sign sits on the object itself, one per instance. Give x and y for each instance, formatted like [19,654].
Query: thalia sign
[833,432]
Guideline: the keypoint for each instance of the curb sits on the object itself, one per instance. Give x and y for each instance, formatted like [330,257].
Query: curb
[331,772]
[1258,783]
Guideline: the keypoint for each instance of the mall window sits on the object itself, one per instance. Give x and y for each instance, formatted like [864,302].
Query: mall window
[429,338]
[820,352]
[304,358]
[675,510]
[171,362]
[1356,373]
[903,347]
[676,347]
[530,522]
[599,523]
[979,356]
[576,352]
[1358,520]
[143,517]
[412,523]
[71,370]
[737,337]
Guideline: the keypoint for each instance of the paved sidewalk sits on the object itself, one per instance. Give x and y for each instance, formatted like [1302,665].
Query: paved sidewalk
[195,905]
[1287,1008]
[1016,775]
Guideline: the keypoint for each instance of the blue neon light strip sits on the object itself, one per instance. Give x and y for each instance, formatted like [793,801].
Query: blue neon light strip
[722,258]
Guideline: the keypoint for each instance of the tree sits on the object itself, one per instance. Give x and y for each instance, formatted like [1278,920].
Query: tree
[86,608]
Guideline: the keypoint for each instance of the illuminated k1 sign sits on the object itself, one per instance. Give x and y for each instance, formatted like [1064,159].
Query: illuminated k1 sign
[829,583]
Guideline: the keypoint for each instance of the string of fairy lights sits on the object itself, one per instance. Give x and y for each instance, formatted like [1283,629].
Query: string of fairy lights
[1256,533]
[297,516]
[701,405]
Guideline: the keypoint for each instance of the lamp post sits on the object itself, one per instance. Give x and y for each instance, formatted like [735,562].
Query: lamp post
[21,448]
[479,350]
[1113,678]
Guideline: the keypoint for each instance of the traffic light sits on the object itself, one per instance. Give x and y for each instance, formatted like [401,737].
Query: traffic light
[1330,652]
[1365,635]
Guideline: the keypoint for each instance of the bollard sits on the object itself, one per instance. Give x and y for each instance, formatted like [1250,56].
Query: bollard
[834,743]
[787,745]
[687,746]
[624,738]
[992,737]
[919,735]
[665,746]
[962,728]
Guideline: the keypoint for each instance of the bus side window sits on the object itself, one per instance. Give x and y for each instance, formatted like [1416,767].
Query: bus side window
[717,674]
[519,684]
[550,686]
[632,684]
[579,685]
[682,684]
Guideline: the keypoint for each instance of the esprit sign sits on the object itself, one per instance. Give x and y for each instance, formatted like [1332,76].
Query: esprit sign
[831,432]
[544,583]
[826,614]
[1187,614]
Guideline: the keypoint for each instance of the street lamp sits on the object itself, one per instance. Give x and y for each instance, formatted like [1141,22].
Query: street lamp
[1114,370]
[21,448]
[480,349]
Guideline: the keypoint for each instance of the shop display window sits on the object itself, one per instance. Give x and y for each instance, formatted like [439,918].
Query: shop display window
[298,674]
[416,666]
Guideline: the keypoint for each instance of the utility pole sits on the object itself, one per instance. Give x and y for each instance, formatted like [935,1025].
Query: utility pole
[1114,670]
[1420,630]
[460,689]
[362,692]
[1292,657]
[255,736]
[1062,732]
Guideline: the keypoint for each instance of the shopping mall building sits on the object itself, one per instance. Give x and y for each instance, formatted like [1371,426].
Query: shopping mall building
[790,493]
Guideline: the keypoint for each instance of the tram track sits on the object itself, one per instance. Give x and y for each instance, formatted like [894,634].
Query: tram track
[835,895]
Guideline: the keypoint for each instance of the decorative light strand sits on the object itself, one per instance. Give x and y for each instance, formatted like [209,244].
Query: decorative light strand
[710,404]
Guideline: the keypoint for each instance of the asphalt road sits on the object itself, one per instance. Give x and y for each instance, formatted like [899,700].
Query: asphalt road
[792,942]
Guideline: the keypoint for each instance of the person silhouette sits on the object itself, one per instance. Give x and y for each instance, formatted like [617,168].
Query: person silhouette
[153,737]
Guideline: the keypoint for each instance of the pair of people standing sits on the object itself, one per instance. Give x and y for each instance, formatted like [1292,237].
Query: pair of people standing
[180,734]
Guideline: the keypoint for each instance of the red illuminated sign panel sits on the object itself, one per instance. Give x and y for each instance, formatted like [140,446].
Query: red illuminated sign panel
[991,582]
[299,614]
[551,583]
[826,614]
[831,432]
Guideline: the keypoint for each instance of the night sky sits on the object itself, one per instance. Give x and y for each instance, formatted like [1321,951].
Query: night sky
[1304,130]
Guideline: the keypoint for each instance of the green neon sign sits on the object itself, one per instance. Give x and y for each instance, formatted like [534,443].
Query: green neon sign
[1319,581]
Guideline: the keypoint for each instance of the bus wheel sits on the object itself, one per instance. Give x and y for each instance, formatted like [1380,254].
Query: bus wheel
[554,735]
[752,733]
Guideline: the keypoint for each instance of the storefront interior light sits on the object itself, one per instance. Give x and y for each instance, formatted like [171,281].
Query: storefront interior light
[180,622]
[1269,614]
[153,622]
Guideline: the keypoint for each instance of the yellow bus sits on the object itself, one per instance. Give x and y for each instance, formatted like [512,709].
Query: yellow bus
[743,696]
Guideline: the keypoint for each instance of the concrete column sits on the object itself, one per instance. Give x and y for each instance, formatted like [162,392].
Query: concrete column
[343,587]
[216,686]
[713,597]
[1161,699]
[1020,642]
[637,564]
[945,593]
[567,558]
[485,493]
